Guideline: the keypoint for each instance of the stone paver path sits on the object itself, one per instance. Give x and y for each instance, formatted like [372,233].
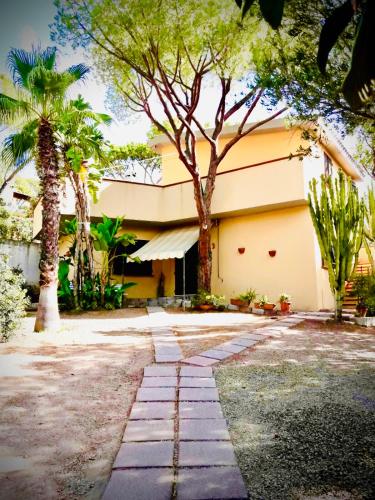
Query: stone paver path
[176,444]
[167,349]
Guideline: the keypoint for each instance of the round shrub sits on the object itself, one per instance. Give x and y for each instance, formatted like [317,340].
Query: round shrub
[12,300]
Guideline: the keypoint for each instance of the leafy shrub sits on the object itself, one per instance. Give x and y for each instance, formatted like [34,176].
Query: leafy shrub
[113,295]
[13,227]
[206,298]
[65,291]
[364,290]
[12,300]
[249,295]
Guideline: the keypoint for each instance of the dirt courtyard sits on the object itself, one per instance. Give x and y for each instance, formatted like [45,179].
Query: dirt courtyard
[65,397]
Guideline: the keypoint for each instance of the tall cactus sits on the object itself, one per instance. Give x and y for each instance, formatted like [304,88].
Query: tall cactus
[338,215]
[369,239]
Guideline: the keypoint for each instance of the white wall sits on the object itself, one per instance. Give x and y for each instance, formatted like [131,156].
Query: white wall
[23,255]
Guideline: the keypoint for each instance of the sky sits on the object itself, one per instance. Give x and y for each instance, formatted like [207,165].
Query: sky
[24,23]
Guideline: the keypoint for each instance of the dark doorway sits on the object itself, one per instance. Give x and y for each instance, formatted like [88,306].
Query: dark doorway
[191,272]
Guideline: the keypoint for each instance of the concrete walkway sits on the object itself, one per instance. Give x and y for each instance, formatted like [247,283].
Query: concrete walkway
[176,443]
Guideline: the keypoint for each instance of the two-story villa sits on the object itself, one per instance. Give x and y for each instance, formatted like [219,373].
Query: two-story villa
[262,234]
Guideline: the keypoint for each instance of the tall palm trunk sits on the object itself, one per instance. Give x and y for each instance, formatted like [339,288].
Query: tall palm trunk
[83,237]
[47,317]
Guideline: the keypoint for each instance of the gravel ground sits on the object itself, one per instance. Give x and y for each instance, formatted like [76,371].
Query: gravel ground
[301,412]
[194,340]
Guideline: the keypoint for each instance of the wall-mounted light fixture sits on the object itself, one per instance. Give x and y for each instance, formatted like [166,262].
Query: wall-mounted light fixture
[241,250]
[272,253]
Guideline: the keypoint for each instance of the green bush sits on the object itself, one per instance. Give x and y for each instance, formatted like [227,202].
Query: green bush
[364,290]
[12,300]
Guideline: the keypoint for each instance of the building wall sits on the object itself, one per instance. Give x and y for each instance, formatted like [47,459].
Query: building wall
[25,256]
[255,148]
[293,270]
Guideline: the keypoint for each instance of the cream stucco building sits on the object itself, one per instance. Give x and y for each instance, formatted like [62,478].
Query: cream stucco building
[259,206]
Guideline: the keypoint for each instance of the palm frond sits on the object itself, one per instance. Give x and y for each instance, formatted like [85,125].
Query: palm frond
[48,57]
[78,71]
[22,62]
[49,84]
[13,109]
[104,118]
[18,148]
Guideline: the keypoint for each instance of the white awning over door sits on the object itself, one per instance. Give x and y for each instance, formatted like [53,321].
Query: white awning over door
[170,244]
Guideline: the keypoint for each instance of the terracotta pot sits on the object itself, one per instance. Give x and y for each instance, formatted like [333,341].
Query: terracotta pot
[268,307]
[239,302]
[285,307]
[244,309]
[206,307]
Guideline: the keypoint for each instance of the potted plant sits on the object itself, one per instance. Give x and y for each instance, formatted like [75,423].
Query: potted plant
[264,304]
[218,301]
[284,301]
[206,301]
[244,300]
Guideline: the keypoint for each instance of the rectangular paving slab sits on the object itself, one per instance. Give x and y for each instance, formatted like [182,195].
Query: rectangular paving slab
[199,394]
[156,394]
[159,382]
[168,358]
[216,354]
[254,336]
[140,484]
[200,361]
[210,483]
[204,429]
[149,454]
[169,348]
[195,371]
[197,382]
[150,411]
[160,371]
[231,347]
[206,453]
[245,342]
[197,409]
[149,430]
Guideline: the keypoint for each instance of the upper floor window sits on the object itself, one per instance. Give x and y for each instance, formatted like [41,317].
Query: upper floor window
[328,165]
[124,266]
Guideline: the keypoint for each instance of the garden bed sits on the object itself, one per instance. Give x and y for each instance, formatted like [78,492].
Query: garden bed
[301,412]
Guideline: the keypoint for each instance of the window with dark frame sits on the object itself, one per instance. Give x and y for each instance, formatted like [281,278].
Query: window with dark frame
[126,267]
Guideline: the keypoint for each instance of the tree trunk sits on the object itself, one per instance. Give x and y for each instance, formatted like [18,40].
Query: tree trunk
[47,317]
[339,299]
[83,238]
[204,243]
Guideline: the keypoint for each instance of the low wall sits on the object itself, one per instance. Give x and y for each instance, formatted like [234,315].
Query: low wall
[25,256]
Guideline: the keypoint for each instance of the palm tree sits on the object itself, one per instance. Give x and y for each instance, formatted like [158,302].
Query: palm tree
[40,92]
[79,140]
